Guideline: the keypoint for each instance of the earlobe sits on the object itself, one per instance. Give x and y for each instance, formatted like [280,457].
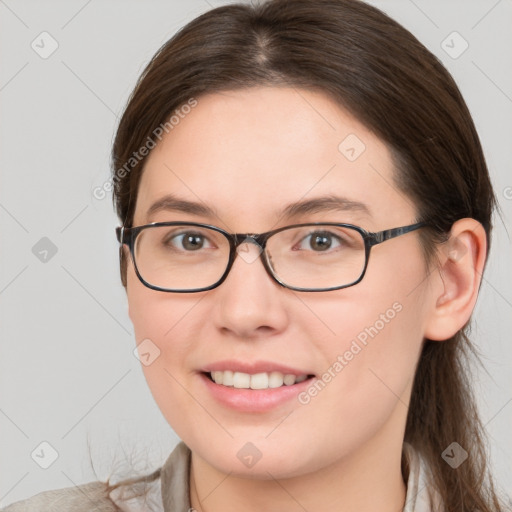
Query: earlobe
[461,263]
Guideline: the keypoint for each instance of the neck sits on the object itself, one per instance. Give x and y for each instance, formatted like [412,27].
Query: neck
[367,480]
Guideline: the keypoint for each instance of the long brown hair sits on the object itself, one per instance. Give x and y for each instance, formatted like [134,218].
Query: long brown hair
[380,73]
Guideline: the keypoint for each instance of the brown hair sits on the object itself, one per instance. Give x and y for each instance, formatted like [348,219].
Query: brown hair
[380,73]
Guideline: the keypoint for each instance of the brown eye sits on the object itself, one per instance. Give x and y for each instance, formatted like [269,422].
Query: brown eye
[319,241]
[192,242]
[187,241]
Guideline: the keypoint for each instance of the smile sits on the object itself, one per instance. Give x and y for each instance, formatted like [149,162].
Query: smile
[264,380]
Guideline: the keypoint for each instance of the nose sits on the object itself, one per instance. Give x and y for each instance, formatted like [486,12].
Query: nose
[249,303]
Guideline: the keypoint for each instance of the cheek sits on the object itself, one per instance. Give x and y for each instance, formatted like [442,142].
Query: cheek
[376,337]
[159,316]
[159,319]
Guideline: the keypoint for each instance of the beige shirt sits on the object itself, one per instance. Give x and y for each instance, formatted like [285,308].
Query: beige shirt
[167,490]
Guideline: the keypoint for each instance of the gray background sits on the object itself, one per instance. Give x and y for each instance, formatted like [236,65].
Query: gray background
[68,375]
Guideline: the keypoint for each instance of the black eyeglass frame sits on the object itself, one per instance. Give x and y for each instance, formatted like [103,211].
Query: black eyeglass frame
[127,236]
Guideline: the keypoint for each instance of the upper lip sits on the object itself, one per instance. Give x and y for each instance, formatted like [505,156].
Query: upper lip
[254,367]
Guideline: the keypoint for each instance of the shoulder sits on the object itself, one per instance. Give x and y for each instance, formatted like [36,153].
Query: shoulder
[139,494]
[85,497]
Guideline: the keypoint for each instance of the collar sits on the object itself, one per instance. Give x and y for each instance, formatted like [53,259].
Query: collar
[169,490]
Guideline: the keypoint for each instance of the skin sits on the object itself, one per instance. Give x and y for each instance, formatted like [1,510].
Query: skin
[249,153]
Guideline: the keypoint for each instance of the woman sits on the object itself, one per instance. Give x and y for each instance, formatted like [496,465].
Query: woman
[316,360]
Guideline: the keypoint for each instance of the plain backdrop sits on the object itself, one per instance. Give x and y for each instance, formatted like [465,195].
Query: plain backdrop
[68,375]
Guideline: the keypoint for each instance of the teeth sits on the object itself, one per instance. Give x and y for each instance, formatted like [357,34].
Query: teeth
[241,380]
[227,378]
[259,381]
[275,380]
[289,380]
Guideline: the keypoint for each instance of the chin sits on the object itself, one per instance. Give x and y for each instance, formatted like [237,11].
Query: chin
[259,458]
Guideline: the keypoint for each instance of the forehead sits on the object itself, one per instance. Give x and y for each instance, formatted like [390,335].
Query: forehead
[250,153]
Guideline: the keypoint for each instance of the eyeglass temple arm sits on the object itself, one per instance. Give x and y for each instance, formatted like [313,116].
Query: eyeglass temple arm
[387,234]
[120,232]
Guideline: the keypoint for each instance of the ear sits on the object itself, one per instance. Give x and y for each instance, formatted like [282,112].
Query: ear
[457,279]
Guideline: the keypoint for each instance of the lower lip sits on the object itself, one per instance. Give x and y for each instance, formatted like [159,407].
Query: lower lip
[254,400]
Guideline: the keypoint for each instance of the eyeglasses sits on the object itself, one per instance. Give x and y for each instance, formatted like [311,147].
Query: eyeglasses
[192,257]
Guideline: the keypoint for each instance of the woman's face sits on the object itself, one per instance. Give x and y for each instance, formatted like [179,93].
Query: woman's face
[248,155]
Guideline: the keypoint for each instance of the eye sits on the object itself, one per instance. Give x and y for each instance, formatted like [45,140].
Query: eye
[320,241]
[189,241]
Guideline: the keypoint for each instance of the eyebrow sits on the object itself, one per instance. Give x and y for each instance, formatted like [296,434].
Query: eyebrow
[328,203]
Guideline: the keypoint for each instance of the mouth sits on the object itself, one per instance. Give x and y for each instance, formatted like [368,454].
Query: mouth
[256,381]
[257,386]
